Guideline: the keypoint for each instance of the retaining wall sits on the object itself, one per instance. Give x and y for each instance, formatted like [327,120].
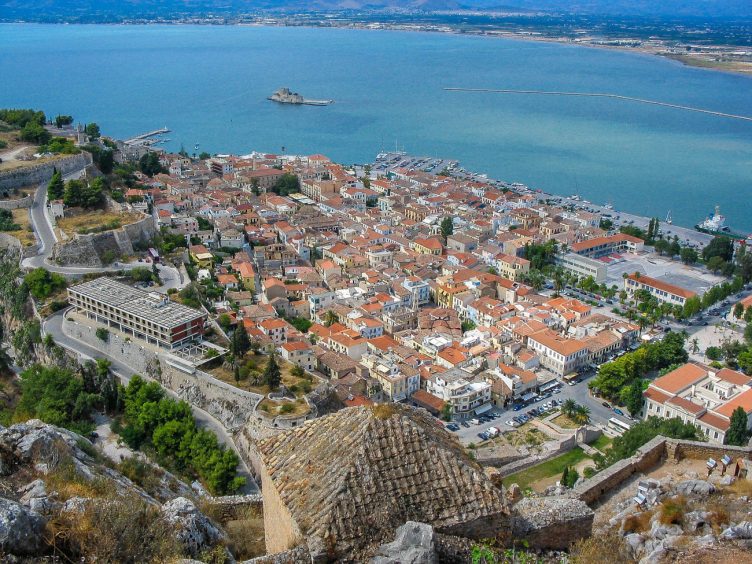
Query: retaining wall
[646,458]
[232,507]
[24,202]
[564,446]
[42,172]
[89,249]
[229,405]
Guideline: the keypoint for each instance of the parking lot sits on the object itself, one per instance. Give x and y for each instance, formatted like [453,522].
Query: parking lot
[692,278]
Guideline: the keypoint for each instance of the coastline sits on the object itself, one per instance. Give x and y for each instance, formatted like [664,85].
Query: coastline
[657,49]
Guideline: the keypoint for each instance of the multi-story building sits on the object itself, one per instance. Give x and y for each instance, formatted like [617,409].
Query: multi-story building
[582,266]
[145,315]
[300,354]
[465,398]
[397,383]
[511,267]
[604,246]
[560,355]
[662,291]
[702,396]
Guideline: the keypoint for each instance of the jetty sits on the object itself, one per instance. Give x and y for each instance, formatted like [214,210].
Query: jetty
[602,95]
[144,136]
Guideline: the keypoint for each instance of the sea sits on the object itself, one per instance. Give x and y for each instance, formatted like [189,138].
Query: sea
[209,84]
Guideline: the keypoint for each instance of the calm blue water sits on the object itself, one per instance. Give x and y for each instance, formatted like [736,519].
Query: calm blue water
[209,84]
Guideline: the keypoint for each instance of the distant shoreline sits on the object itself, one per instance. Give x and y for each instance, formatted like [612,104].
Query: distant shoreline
[700,60]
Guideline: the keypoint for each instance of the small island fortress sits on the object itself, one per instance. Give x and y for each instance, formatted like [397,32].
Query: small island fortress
[286,96]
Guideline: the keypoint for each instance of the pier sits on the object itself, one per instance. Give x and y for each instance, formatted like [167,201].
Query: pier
[602,95]
[144,136]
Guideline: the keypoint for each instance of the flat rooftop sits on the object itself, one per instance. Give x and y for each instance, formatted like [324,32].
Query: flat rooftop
[152,306]
[693,278]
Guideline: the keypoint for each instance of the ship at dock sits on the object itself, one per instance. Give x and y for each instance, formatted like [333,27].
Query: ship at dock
[287,96]
[715,224]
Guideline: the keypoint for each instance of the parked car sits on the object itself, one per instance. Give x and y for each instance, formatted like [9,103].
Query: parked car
[465,424]
[606,405]
[619,412]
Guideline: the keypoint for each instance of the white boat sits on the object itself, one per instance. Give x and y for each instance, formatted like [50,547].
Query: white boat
[669,220]
[715,222]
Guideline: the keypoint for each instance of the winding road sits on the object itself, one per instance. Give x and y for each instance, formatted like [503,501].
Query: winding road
[171,277]
[53,326]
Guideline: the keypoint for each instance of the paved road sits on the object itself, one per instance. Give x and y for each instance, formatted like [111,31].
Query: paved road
[171,277]
[599,414]
[53,326]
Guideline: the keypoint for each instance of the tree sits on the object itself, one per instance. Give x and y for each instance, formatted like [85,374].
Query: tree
[55,396]
[92,130]
[634,399]
[569,407]
[286,184]
[91,193]
[149,164]
[446,411]
[42,283]
[35,133]
[297,371]
[330,318]
[240,342]
[722,247]
[715,264]
[225,322]
[204,155]
[272,375]
[688,255]
[447,227]
[61,121]
[739,310]
[748,315]
[737,433]
[581,414]
[569,477]
[640,433]
[56,186]
[713,353]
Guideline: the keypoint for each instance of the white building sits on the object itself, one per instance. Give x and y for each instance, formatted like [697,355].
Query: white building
[465,398]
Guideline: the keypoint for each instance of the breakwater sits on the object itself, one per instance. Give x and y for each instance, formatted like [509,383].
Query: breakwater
[602,95]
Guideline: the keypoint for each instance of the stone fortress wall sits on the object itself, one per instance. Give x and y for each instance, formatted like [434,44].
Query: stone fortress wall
[90,249]
[42,172]
[16,204]
[650,454]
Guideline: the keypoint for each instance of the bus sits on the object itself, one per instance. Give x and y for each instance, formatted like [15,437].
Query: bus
[618,426]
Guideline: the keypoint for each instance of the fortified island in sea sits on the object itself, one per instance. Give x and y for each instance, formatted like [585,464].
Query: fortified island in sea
[287,96]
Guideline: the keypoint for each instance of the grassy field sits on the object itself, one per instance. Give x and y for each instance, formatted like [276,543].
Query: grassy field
[257,365]
[95,221]
[25,234]
[548,469]
[601,443]
[565,422]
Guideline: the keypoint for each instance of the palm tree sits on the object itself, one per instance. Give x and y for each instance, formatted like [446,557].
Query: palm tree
[569,407]
[330,318]
[695,346]
[582,414]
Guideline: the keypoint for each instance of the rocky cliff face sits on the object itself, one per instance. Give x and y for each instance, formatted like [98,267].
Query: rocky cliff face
[60,498]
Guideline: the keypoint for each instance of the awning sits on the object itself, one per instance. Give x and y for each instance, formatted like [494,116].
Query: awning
[528,396]
[549,386]
[483,408]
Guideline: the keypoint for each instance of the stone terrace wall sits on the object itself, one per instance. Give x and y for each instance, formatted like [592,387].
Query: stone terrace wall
[38,173]
[646,457]
[232,507]
[24,202]
[88,250]
[678,450]
[564,446]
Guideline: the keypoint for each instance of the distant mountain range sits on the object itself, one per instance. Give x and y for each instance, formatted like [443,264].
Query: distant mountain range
[76,9]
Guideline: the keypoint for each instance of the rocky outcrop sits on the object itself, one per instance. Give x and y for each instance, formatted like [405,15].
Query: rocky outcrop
[551,523]
[20,529]
[413,544]
[194,530]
